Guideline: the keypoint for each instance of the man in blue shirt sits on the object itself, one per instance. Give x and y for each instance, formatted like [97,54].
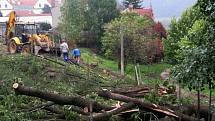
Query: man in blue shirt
[76,54]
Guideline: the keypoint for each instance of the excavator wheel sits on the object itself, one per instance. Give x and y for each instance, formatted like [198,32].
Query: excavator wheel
[26,49]
[12,47]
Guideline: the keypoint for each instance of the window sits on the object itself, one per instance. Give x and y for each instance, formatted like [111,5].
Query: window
[5,5]
[39,5]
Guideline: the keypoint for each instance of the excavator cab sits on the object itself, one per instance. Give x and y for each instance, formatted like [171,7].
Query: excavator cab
[19,40]
[25,37]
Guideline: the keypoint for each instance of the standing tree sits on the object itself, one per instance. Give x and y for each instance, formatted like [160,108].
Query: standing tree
[197,68]
[89,16]
[72,18]
[138,35]
[46,9]
[179,30]
[45,26]
[135,3]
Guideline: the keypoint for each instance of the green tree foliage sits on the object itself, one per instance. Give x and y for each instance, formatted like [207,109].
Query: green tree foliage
[197,65]
[79,16]
[45,26]
[99,12]
[138,33]
[46,9]
[178,31]
[72,19]
[135,3]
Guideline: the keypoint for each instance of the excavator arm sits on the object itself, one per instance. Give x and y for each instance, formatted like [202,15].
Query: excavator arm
[10,23]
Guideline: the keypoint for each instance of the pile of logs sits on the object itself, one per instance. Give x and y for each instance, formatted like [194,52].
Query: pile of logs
[92,110]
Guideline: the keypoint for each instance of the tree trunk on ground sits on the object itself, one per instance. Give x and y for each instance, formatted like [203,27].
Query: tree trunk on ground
[147,106]
[108,114]
[59,99]
[193,109]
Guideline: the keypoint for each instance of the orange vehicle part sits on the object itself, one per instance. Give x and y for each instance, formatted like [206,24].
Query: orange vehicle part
[10,23]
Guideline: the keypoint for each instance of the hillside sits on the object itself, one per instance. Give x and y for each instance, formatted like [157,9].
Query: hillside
[59,78]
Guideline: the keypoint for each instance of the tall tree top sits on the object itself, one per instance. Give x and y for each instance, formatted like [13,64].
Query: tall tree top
[132,3]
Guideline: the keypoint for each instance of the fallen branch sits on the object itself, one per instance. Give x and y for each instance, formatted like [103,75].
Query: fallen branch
[147,106]
[39,107]
[59,99]
[78,110]
[108,114]
[132,93]
[55,110]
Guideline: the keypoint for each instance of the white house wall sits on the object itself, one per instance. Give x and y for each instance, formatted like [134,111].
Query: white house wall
[47,19]
[37,11]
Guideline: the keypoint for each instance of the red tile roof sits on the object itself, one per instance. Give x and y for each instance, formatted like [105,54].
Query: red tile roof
[28,2]
[145,11]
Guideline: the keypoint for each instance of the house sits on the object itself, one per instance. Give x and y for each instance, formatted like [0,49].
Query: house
[5,7]
[27,10]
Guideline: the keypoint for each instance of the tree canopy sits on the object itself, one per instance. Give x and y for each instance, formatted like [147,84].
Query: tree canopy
[46,9]
[86,15]
[135,3]
[197,54]
[137,31]
[178,31]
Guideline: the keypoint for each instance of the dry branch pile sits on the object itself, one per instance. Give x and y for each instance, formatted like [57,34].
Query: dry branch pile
[96,111]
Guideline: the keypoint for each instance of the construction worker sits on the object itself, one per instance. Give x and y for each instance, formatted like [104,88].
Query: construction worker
[76,54]
[64,49]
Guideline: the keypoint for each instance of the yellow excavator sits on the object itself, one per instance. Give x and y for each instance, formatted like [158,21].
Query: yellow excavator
[25,37]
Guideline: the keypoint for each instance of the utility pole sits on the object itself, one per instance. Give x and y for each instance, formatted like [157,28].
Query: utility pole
[122,49]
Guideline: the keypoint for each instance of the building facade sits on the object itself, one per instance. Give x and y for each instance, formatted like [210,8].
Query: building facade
[27,10]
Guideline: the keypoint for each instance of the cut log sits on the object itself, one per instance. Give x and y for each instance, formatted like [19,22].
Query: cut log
[147,106]
[108,114]
[59,99]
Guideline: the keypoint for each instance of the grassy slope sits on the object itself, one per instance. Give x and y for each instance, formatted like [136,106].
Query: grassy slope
[38,73]
[35,72]
[149,73]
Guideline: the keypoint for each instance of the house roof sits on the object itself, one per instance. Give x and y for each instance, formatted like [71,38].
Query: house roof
[145,11]
[28,2]
[21,13]
[30,13]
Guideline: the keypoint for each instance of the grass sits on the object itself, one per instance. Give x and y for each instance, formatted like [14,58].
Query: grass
[146,70]
[150,73]
[32,72]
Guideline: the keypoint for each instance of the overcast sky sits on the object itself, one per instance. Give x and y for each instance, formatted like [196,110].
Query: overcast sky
[169,8]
